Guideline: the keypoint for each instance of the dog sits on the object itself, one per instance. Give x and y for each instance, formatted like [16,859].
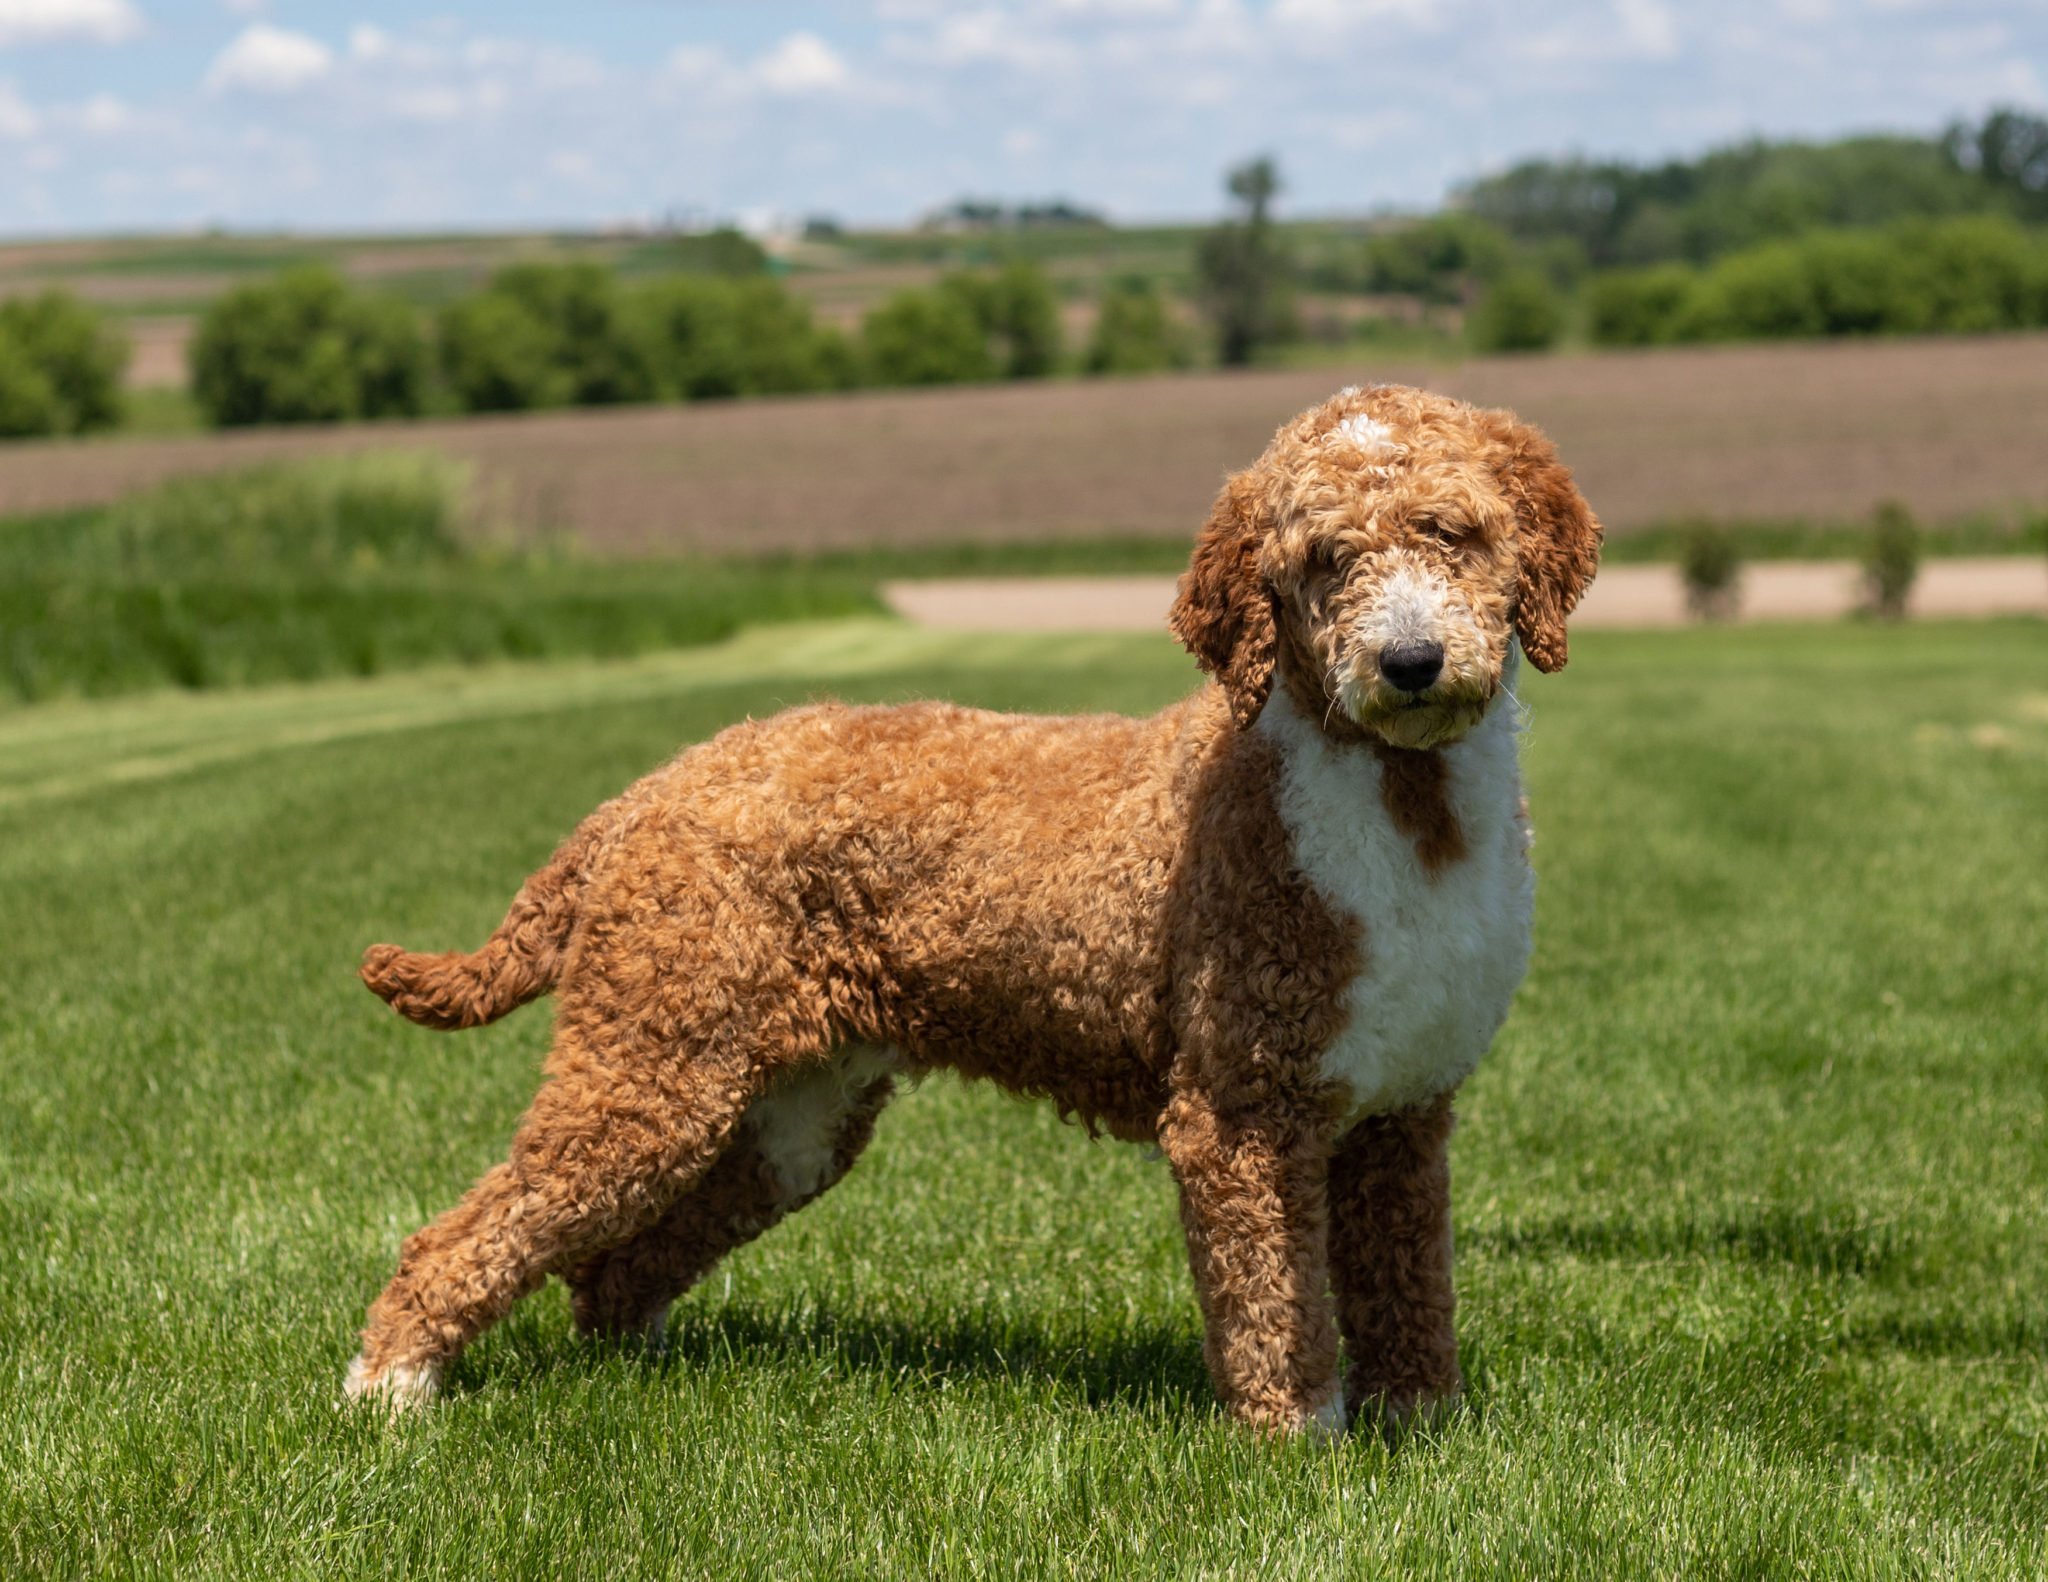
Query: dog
[1270,930]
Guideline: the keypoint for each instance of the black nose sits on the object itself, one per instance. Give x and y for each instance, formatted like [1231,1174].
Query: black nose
[1412,666]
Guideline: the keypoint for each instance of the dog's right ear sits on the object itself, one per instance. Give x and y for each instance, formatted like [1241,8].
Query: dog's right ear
[1223,611]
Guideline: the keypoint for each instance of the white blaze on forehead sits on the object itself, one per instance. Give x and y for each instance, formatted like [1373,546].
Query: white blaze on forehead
[1364,433]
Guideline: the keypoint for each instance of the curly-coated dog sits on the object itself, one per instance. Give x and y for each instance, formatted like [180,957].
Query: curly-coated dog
[1270,929]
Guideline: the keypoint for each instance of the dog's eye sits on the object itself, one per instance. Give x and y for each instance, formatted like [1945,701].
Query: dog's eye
[1325,559]
[1436,531]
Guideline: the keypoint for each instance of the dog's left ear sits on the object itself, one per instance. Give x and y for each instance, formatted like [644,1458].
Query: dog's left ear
[1223,611]
[1557,539]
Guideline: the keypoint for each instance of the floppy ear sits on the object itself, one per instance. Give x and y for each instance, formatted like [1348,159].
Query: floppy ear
[1557,540]
[1223,612]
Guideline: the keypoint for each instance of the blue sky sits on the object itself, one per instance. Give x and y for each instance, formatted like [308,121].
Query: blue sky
[168,114]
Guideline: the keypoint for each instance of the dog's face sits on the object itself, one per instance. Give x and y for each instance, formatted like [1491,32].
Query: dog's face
[1381,560]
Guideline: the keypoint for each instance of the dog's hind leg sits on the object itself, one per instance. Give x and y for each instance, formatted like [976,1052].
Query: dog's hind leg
[798,1140]
[652,1073]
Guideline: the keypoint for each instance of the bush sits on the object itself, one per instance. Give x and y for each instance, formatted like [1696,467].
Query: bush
[1978,274]
[1519,314]
[1026,321]
[1710,565]
[1134,333]
[1439,259]
[926,338]
[1763,294]
[499,357]
[302,347]
[711,338]
[1018,314]
[1973,273]
[28,401]
[77,355]
[1637,307]
[545,335]
[1891,565]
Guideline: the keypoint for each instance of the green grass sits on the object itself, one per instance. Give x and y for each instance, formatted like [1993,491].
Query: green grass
[2019,532]
[353,566]
[1749,1195]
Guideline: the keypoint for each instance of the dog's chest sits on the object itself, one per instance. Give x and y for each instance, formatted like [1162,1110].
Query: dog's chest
[1443,952]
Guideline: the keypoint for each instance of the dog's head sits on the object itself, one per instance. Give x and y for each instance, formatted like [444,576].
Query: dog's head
[1382,558]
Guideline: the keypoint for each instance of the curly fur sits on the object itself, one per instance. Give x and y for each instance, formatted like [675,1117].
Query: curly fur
[1271,935]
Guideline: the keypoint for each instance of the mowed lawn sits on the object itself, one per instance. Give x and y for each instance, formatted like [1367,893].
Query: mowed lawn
[1752,1194]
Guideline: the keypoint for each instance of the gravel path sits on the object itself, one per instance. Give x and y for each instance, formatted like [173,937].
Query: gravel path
[1623,596]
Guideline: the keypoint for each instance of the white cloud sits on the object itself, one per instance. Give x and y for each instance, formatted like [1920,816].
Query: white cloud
[104,115]
[802,63]
[266,59]
[1334,16]
[1649,26]
[52,21]
[17,119]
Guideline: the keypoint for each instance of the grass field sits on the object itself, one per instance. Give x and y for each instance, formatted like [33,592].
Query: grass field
[1750,1195]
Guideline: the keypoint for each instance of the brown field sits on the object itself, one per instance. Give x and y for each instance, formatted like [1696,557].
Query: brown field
[1948,427]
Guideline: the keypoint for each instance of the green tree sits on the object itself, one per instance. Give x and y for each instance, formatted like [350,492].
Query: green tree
[1638,307]
[1242,269]
[546,334]
[28,401]
[1519,314]
[1134,333]
[80,357]
[498,356]
[302,347]
[926,338]
[712,338]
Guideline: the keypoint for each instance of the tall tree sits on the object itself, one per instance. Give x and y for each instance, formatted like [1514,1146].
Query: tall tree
[1242,268]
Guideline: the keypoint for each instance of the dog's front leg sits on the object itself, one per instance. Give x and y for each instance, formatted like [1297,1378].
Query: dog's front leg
[1390,1255]
[1253,1201]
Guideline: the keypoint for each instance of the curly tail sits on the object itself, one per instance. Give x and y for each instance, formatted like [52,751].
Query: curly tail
[521,960]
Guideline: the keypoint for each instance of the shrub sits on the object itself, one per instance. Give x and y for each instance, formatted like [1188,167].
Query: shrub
[1018,314]
[1438,259]
[1765,293]
[302,347]
[28,401]
[724,251]
[80,358]
[1134,333]
[568,341]
[1892,562]
[1027,321]
[926,338]
[710,338]
[499,357]
[1519,314]
[1710,565]
[1976,274]
[1637,307]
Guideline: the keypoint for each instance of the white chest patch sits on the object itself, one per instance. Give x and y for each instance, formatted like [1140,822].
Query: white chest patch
[1443,953]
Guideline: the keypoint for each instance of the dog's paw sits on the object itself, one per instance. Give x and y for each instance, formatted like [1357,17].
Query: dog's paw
[1399,1418]
[1328,1423]
[397,1389]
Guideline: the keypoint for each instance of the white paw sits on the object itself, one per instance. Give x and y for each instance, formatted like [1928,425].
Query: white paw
[1327,1424]
[401,1388]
